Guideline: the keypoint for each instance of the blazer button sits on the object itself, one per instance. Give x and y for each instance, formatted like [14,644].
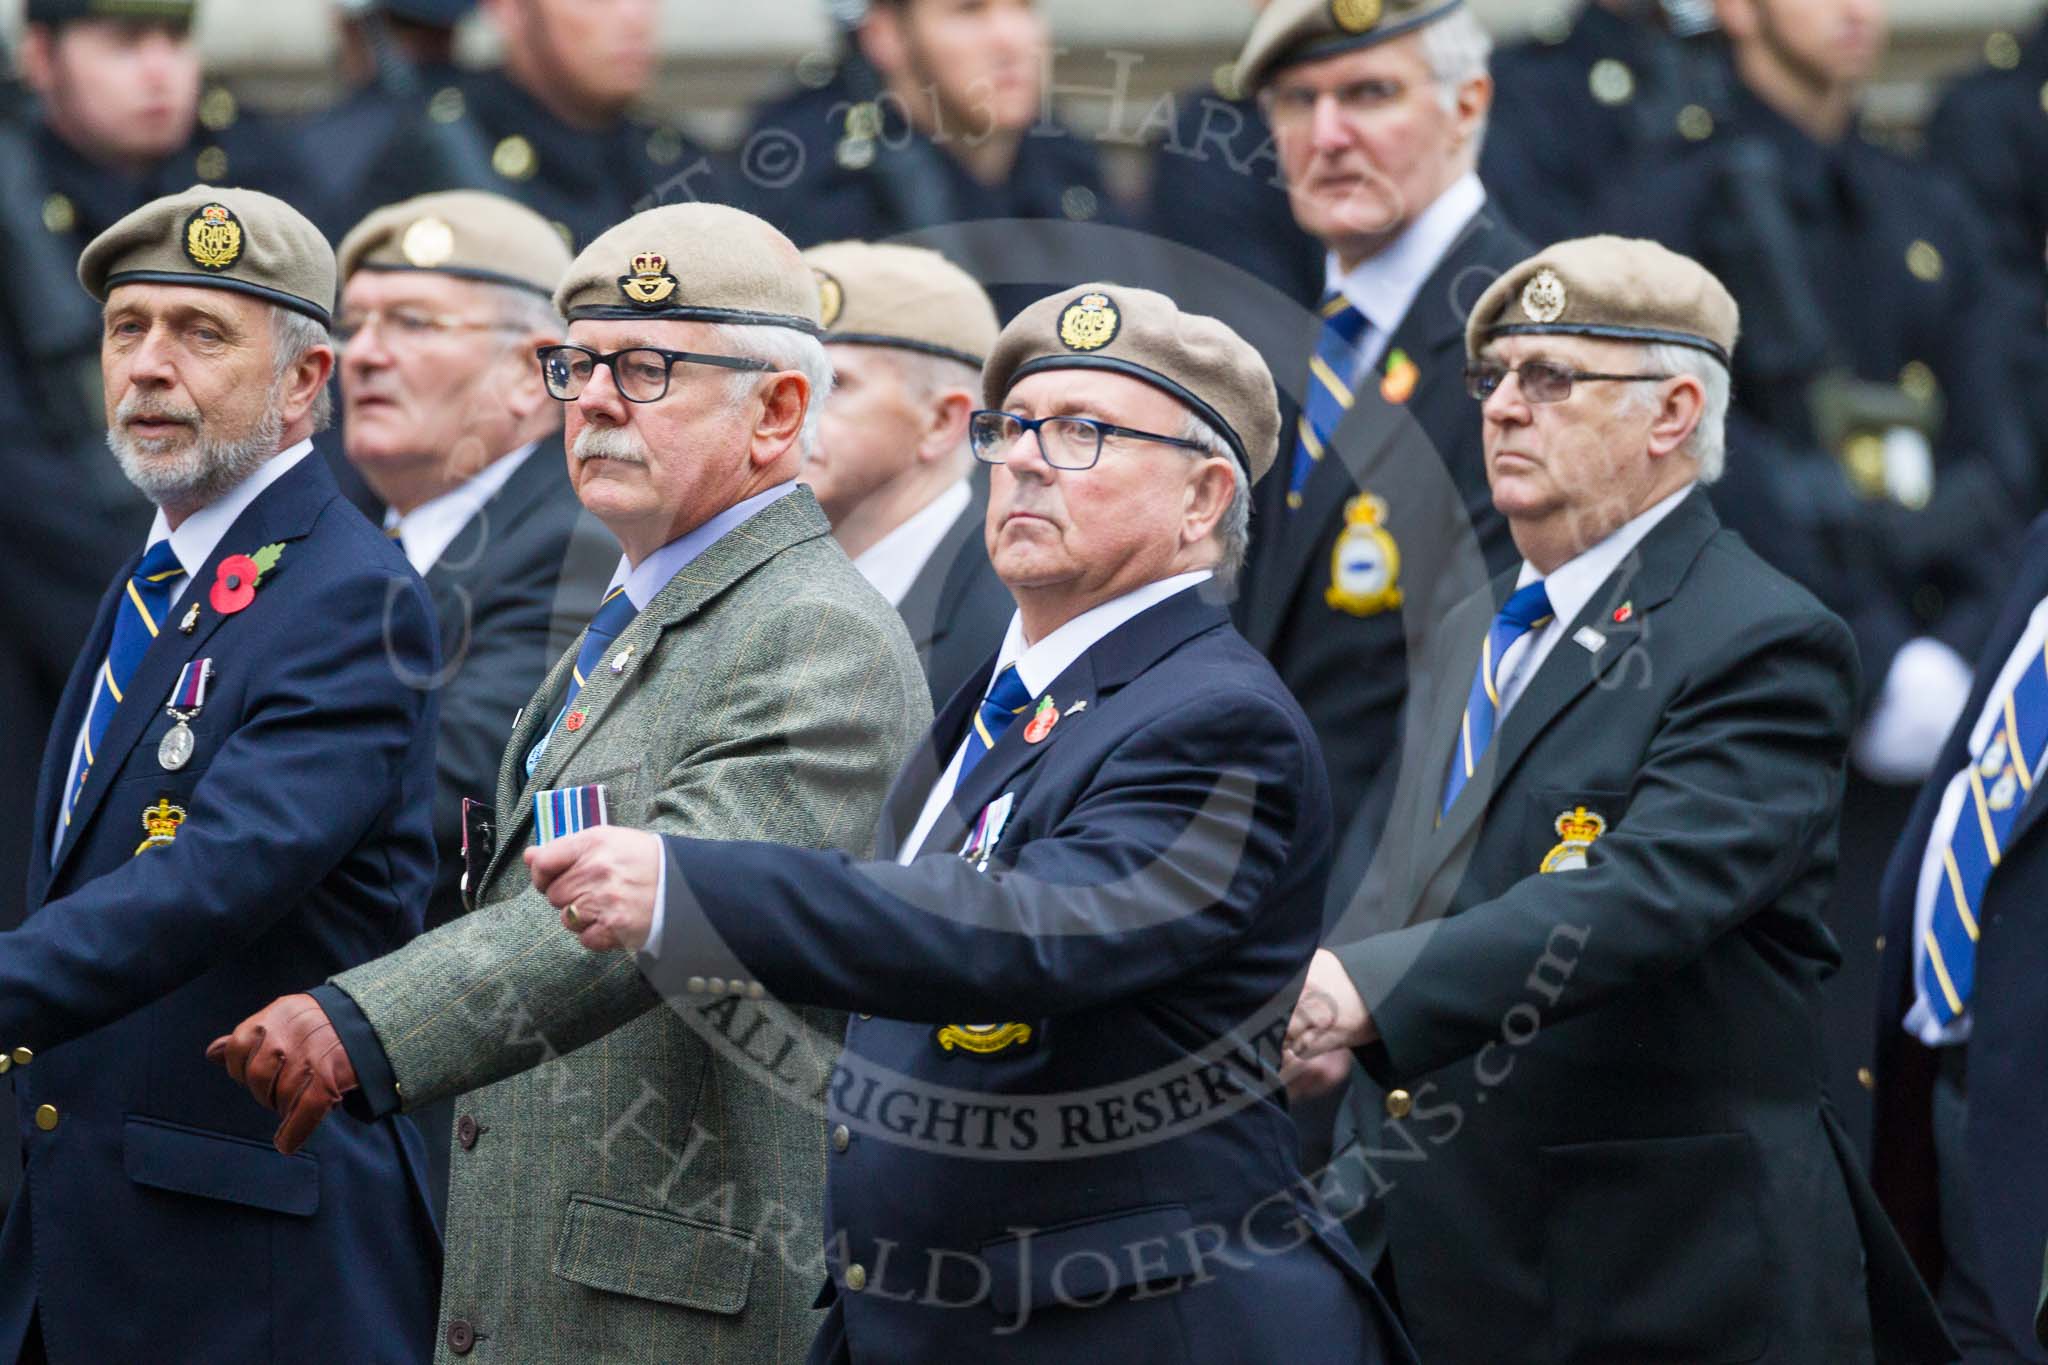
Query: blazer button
[856,1278]
[22,1056]
[461,1337]
[466,1131]
[46,1117]
[1866,1078]
[1399,1103]
[842,1137]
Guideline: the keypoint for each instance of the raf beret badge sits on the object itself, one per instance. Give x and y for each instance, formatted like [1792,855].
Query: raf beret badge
[1356,16]
[831,298]
[1544,297]
[213,237]
[1089,323]
[428,243]
[650,284]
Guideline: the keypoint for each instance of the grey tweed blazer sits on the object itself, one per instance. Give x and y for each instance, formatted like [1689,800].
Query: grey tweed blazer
[626,1184]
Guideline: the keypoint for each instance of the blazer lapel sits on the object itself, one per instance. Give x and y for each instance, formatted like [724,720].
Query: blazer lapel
[283,512]
[71,712]
[913,785]
[1646,579]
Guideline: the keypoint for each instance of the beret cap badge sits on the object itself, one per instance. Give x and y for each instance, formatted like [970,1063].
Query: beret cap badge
[831,298]
[1544,297]
[1356,16]
[650,284]
[1089,323]
[213,237]
[427,243]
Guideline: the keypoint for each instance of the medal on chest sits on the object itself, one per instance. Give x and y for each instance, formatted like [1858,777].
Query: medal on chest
[188,698]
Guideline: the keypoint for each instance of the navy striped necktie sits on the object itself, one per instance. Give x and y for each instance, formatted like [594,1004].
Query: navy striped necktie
[1527,610]
[1006,700]
[137,622]
[1329,394]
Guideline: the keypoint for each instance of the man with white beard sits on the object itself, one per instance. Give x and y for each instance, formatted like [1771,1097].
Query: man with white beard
[235,797]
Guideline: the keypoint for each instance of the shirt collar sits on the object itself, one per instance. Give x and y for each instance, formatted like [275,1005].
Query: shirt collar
[199,535]
[1572,584]
[1038,665]
[428,530]
[1384,285]
[893,563]
[653,573]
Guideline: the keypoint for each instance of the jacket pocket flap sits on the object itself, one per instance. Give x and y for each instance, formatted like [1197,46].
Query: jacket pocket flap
[1088,1263]
[170,1156]
[651,1254]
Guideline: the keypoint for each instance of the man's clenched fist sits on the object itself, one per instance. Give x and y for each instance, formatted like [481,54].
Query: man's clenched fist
[292,1060]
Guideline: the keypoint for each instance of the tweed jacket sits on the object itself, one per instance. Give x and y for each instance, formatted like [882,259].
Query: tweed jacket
[626,1185]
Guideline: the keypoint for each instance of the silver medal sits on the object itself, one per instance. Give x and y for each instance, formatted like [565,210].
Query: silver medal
[176,749]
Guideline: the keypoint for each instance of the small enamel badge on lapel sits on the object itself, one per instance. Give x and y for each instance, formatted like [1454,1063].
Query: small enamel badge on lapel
[1042,720]
[1078,707]
[191,621]
[619,660]
[1590,640]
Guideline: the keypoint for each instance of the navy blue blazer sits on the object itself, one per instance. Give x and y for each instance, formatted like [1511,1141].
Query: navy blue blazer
[156,1221]
[2008,1020]
[1107,1171]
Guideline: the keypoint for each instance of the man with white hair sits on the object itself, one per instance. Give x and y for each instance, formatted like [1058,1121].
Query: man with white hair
[1598,1116]
[1367,524]
[235,796]
[626,1184]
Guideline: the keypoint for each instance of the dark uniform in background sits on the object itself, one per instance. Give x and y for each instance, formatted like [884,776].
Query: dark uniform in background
[1852,264]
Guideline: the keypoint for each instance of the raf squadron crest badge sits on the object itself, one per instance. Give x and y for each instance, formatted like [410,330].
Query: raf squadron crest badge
[650,284]
[1356,16]
[1578,828]
[1089,323]
[1544,297]
[213,237]
[160,822]
[1365,566]
[831,298]
[982,1038]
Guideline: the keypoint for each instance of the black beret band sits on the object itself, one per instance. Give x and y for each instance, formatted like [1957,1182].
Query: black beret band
[734,316]
[905,344]
[464,272]
[1605,332]
[276,296]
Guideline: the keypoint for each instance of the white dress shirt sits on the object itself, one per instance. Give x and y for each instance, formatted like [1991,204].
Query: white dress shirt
[1037,667]
[1920,1020]
[1384,286]
[1570,587]
[194,543]
[426,532]
[893,563]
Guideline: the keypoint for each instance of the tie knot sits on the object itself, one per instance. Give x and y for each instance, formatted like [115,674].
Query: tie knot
[1528,607]
[1009,694]
[1342,319]
[614,614]
[159,564]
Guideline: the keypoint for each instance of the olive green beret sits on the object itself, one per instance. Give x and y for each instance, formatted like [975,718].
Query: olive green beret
[177,12]
[1614,288]
[880,294]
[1292,31]
[226,239]
[469,233]
[1145,335]
[692,263]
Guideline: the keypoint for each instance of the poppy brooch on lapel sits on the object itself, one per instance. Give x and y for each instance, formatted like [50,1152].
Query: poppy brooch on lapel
[236,579]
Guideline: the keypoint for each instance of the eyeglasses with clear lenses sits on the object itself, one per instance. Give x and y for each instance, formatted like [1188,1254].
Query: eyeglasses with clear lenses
[1542,381]
[640,373]
[1065,442]
[1289,106]
[412,324]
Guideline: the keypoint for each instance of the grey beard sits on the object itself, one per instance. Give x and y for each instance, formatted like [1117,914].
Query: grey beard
[205,472]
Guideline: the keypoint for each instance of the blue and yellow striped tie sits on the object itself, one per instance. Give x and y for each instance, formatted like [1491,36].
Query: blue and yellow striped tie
[614,614]
[1329,394]
[2001,778]
[1527,610]
[1006,700]
[136,623]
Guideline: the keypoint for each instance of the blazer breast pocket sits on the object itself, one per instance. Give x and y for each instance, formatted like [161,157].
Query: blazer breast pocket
[1654,1250]
[1566,823]
[625,791]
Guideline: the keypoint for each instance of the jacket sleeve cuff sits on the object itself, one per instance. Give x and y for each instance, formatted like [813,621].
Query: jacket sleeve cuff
[376,1092]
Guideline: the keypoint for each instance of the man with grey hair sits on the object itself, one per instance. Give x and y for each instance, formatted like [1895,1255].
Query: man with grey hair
[1585,978]
[235,795]
[1368,524]
[631,1182]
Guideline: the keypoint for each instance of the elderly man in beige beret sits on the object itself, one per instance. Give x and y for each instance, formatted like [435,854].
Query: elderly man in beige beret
[907,331]
[235,795]
[1057,1130]
[628,1184]
[1595,1013]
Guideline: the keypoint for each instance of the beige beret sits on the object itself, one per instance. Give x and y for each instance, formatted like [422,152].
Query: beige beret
[880,294]
[225,239]
[1292,31]
[1145,335]
[1615,288]
[692,263]
[469,233]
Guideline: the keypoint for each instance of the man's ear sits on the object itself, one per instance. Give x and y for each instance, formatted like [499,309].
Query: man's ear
[945,425]
[305,381]
[1207,499]
[1678,415]
[784,397]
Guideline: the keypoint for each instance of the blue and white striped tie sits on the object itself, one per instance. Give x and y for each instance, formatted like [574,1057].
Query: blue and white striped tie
[1527,610]
[1006,700]
[1329,394]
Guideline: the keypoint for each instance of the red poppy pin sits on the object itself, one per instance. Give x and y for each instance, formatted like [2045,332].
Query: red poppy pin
[573,721]
[236,578]
[1042,721]
[1623,612]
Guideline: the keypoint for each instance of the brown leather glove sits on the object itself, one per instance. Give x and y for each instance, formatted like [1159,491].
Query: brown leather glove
[292,1061]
